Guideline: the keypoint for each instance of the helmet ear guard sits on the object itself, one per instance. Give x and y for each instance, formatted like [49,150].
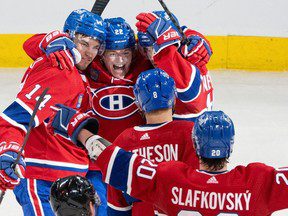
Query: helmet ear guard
[154,90]
[213,135]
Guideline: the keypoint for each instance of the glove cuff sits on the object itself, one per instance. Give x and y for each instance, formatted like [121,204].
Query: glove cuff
[11,146]
[89,123]
[49,37]
[157,48]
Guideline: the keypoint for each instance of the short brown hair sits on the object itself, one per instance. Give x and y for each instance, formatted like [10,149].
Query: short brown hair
[214,164]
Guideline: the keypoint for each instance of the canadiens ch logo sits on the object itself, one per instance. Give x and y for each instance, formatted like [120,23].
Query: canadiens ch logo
[114,102]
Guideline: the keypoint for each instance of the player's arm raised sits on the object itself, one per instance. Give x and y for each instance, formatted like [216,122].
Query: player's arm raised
[57,45]
[198,50]
[117,165]
[165,41]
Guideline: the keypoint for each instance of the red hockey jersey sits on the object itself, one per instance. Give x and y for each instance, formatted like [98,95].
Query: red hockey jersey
[194,87]
[44,151]
[158,143]
[178,189]
[113,99]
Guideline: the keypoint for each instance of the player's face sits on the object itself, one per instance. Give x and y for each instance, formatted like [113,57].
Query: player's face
[88,49]
[118,62]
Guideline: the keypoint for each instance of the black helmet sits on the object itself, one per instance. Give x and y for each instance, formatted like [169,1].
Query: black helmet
[72,196]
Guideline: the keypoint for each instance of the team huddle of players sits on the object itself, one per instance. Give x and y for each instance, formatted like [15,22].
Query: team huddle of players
[145,96]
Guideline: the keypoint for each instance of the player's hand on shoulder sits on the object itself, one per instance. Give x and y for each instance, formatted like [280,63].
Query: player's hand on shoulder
[158,29]
[10,176]
[68,123]
[60,49]
[197,51]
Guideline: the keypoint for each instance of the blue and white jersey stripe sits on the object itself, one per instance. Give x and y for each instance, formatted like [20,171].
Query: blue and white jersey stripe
[18,114]
[57,165]
[119,171]
[192,91]
[188,117]
[118,211]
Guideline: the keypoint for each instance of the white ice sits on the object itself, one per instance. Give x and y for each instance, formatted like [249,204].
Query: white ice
[256,101]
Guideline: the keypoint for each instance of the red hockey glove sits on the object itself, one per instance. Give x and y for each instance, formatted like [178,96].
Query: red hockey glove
[10,177]
[159,30]
[60,49]
[198,52]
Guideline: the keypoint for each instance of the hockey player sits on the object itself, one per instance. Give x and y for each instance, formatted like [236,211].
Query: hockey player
[48,157]
[73,195]
[159,139]
[123,71]
[197,51]
[112,76]
[178,189]
[160,37]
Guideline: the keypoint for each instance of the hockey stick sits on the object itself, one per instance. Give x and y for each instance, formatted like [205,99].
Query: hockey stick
[40,99]
[99,6]
[184,38]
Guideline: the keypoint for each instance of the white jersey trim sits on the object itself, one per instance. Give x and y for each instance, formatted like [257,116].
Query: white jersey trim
[36,195]
[191,80]
[191,115]
[30,196]
[83,77]
[29,110]
[56,163]
[128,208]
[110,164]
[12,122]
[190,84]
[159,214]
[130,174]
[145,128]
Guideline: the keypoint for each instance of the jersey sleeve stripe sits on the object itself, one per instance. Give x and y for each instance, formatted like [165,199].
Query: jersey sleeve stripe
[120,167]
[28,109]
[117,208]
[18,115]
[193,89]
[188,117]
[130,174]
[12,122]
[122,162]
[71,169]
[110,164]
[56,165]
[111,211]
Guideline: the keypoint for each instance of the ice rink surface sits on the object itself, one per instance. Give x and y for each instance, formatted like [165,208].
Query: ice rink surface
[256,101]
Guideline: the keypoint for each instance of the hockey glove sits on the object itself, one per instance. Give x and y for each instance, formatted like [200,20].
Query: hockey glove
[159,30]
[10,177]
[144,40]
[68,123]
[198,52]
[60,49]
[95,145]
